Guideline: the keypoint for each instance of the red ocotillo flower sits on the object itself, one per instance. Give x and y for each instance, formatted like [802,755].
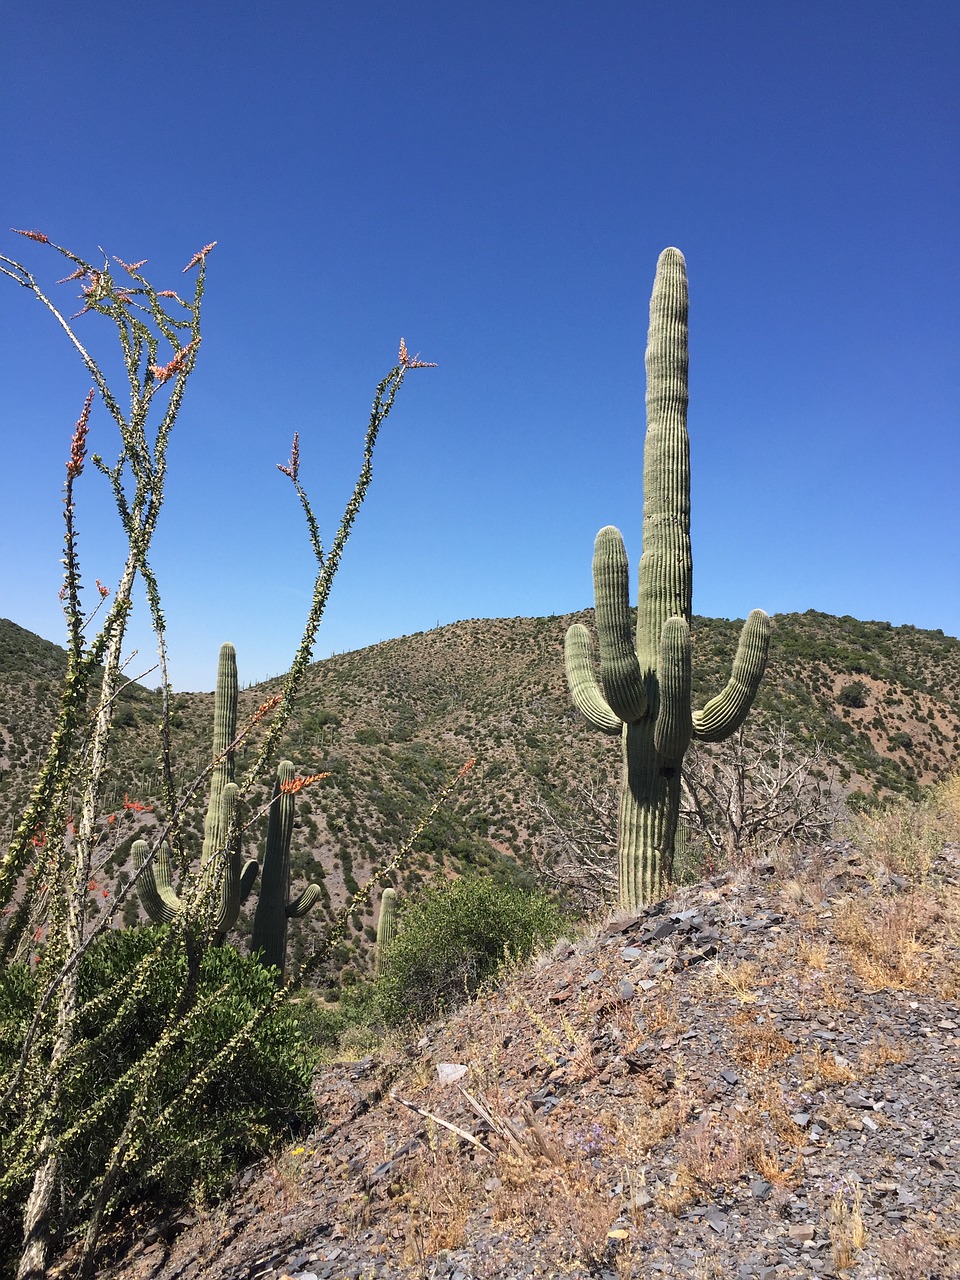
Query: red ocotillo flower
[78,444]
[297,784]
[198,257]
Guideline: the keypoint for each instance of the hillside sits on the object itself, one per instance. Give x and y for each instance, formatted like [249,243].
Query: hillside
[392,723]
[745,1082]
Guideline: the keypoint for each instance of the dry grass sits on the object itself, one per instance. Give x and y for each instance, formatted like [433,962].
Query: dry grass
[915,1254]
[662,1016]
[905,837]
[812,954]
[441,1189]
[823,1069]
[880,1053]
[569,1040]
[898,937]
[714,1153]
[758,1045]
[739,980]
[890,942]
[848,1233]
[562,1195]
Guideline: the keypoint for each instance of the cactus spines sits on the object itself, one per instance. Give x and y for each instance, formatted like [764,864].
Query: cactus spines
[386,927]
[644,688]
[273,910]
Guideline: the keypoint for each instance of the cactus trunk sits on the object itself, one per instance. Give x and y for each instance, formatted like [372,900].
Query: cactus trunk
[649,808]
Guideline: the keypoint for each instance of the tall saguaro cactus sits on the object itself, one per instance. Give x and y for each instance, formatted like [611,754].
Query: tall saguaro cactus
[643,693]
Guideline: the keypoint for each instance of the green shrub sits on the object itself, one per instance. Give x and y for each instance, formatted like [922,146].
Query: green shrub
[259,1097]
[454,939]
[853,694]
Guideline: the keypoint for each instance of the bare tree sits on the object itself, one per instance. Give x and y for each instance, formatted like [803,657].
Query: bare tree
[577,853]
[759,790]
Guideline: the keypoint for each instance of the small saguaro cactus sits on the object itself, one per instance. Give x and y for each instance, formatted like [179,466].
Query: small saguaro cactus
[234,879]
[643,693]
[273,910]
[386,927]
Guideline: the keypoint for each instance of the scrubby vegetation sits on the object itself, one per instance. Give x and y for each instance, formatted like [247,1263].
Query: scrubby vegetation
[453,939]
[200,1120]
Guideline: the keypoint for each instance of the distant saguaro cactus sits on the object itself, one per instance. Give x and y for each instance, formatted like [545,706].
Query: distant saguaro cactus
[644,689]
[386,927]
[235,878]
[155,883]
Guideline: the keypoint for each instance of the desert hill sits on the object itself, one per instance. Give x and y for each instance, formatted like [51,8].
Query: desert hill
[392,723]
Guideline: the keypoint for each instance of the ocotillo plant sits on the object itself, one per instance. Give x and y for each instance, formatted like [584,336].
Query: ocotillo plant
[273,908]
[386,927]
[644,689]
[44,895]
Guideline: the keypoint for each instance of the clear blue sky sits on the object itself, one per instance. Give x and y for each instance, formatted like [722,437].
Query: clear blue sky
[494,182]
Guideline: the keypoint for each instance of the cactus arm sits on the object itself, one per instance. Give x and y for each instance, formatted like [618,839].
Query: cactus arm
[304,902]
[725,713]
[248,875]
[584,689]
[671,732]
[620,674]
[666,562]
[154,883]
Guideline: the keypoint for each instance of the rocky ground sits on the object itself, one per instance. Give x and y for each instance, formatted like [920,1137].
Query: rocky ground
[759,1078]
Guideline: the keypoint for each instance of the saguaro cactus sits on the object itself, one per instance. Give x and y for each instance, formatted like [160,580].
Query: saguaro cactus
[643,692]
[234,879]
[386,927]
[273,909]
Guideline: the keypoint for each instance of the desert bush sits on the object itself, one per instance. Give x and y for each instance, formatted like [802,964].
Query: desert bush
[853,694]
[454,939]
[259,1096]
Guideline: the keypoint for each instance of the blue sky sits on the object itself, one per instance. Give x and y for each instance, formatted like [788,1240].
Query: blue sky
[494,182]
